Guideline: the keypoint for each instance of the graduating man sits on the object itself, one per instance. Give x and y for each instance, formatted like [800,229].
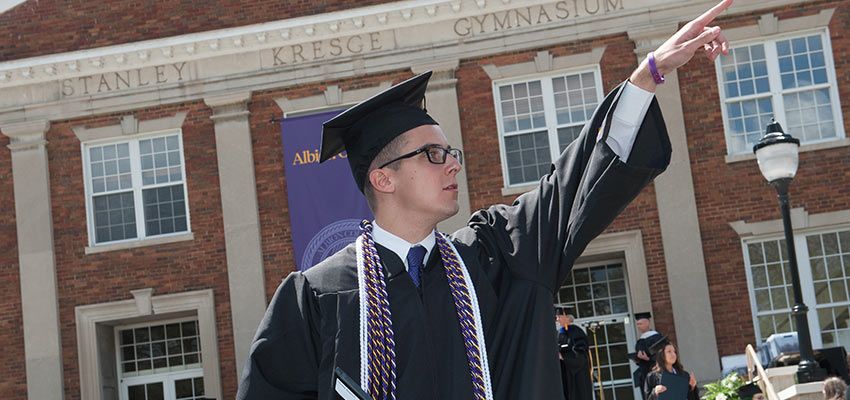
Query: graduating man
[645,349]
[410,313]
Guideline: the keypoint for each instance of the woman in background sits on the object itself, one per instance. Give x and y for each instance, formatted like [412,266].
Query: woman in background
[667,361]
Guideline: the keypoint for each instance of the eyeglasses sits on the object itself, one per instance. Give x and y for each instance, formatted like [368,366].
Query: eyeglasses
[436,154]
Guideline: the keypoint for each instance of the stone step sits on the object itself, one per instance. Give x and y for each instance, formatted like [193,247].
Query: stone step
[782,377]
[803,391]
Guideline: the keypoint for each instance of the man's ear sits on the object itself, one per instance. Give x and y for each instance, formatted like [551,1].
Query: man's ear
[382,181]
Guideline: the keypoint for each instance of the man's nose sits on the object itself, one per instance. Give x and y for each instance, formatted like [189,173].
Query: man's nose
[452,165]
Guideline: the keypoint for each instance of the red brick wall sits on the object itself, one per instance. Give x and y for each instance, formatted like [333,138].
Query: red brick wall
[737,191]
[169,268]
[42,27]
[483,165]
[13,386]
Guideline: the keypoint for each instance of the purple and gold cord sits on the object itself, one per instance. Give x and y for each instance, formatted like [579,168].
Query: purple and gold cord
[463,306]
[380,343]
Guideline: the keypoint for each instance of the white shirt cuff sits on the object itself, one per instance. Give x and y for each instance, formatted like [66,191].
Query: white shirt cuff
[627,118]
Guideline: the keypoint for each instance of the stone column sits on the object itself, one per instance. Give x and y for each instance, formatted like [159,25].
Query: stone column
[39,304]
[241,218]
[680,233]
[441,102]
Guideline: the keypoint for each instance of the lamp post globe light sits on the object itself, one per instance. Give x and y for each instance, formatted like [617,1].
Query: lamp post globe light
[778,158]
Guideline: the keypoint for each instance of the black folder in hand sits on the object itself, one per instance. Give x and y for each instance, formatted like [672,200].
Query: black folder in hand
[677,386]
[347,388]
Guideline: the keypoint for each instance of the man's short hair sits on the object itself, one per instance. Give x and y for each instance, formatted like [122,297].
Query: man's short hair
[390,151]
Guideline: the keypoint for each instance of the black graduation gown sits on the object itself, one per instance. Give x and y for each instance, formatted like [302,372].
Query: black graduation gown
[644,366]
[654,378]
[517,256]
[576,368]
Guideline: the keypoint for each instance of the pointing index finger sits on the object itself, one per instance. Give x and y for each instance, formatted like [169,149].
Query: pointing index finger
[712,13]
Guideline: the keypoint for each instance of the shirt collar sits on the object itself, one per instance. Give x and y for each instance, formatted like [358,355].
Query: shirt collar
[400,246]
[648,334]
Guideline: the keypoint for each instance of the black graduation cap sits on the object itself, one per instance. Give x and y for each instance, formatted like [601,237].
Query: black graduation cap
[643,315]
[366,128]
[562,309]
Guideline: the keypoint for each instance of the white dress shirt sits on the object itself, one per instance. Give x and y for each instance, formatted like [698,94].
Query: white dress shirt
[400,246]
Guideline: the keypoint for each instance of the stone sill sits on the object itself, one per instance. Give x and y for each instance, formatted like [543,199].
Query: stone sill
[182,237]
[514,190]
[842,142]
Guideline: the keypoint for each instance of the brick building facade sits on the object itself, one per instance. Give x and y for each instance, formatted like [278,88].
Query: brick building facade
[90,93]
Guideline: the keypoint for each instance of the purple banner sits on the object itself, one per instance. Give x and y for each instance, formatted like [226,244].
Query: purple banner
[325,206]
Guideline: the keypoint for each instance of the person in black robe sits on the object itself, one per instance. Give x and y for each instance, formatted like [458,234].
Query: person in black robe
[667,362]
[515,256]
[644,355]
[573,354]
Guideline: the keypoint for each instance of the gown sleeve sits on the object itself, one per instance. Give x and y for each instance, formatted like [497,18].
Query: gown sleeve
[541,234]
[284,359]
[652,380]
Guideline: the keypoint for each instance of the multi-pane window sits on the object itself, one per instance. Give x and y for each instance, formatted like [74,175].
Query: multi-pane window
[791,79]
[829,256]
[771,287]
[189,389]
[157,347]
[140,180]
[538,118]
[595,291]
[160,361]
[824,265]
[188,385]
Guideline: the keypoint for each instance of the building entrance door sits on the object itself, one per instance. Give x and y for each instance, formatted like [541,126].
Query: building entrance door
[598,295]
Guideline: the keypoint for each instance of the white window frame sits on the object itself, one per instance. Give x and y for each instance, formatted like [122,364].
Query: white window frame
[806,280]
[776,91]
[167,378]
[137,186]
[549,113]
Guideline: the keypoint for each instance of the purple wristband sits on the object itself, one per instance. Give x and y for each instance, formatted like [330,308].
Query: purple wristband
[653,69]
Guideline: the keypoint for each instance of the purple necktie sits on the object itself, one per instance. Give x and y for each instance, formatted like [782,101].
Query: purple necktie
[415,258]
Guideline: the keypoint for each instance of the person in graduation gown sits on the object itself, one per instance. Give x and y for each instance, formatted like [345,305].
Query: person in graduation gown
[471,318]
[644,356]
[667,362]
[573,352]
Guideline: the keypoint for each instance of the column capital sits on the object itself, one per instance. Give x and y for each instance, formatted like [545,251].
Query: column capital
[229,106]
[27,134]
[444,73]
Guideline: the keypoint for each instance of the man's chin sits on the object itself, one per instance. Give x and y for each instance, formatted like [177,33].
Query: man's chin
[450,212]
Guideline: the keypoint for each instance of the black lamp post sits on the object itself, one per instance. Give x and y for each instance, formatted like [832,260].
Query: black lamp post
[777,154]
